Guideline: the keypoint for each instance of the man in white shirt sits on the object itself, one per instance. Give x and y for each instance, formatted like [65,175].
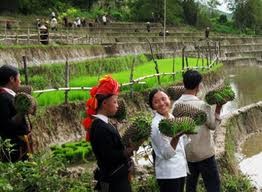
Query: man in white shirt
[53,24]
[200,150]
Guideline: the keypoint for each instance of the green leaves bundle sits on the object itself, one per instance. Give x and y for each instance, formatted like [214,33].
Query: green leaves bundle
[220,95]
[138,131]
[181,110]
[175,92]
[24,103]
[121,111]
[171,127]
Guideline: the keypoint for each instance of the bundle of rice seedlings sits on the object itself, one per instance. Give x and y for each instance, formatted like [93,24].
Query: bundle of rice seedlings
[25,89]
[171,127]
[24,103]
[138,131]
[175,92]
[121,111]
[220,95]
[181,110]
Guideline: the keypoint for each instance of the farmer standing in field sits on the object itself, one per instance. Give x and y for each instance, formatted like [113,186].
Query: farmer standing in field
[13,123]
[113,159]
[200,150]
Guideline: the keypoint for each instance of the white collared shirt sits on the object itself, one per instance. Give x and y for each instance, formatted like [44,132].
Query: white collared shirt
[169,163]
[201,145]
[102,117]
[10,91]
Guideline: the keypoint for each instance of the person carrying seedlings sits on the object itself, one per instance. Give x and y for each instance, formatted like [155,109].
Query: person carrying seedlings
[170,158]
[200,150]
[13,122]
[113,159]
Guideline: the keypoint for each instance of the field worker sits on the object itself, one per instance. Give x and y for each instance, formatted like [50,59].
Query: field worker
[13,124]
[169,153]
[53,24]
[200,150]
[112,158]
[104,19]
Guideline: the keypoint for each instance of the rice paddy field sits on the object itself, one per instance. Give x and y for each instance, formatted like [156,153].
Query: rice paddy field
[123,76]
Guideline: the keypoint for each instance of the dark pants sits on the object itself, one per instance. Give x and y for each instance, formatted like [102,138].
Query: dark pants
[209,172]
[121,185]
[171,185]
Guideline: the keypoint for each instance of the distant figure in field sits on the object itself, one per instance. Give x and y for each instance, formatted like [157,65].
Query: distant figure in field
[78,22]
[148,26]
[44,34]
[207,32]
[53,24]
[8,25]
[38,23]
[104,19]
[161,33]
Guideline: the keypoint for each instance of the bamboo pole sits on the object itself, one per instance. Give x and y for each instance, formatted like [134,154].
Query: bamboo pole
[66,79]
[131,77]
[25,69]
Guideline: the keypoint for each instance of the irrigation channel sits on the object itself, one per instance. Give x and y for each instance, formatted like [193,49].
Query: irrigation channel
[246,83]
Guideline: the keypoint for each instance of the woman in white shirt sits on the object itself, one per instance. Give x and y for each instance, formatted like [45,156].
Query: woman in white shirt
[170,159]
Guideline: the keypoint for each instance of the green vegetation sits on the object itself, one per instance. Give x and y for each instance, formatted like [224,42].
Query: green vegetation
[139,130]
[220,95]
[171,127]
[121,112]
[73,152]
[186,110]
[165,65]
[52,75]
[43,172]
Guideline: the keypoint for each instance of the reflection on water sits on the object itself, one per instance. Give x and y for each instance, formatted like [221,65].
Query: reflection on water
[246,81]
[252,167]
[252,146]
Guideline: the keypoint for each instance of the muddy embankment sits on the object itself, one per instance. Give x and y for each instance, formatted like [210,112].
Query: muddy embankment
[62,123]
[233,130]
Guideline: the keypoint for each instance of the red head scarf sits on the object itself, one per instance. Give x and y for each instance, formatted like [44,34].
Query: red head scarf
[106,86]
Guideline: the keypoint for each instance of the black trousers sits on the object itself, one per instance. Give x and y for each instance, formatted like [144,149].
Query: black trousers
[121,185]
[171,185]
[209,172]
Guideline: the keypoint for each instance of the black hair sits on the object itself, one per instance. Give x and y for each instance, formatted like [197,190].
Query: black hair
[100,98]
[7,71]
[151,96]
[191,79]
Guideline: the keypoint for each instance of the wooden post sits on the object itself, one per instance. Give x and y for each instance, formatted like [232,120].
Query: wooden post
[25,69]
[5,30]
[38,31]
[156,64]
[183,58]
[28,35]
[187,62]
[132,77]
[173,68]
[66,79]
[202,56]
[198,55]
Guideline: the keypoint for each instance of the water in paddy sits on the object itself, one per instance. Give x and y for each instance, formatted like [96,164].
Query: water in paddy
[246,82]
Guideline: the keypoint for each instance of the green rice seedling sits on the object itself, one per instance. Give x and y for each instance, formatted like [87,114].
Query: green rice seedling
[181,110]
[25,89]
[220,95]
[175,92]
[24,103]
[171,127]
[121,111]
[138,131]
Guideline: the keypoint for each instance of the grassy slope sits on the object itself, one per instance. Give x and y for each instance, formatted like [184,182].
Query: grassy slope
[165,65]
